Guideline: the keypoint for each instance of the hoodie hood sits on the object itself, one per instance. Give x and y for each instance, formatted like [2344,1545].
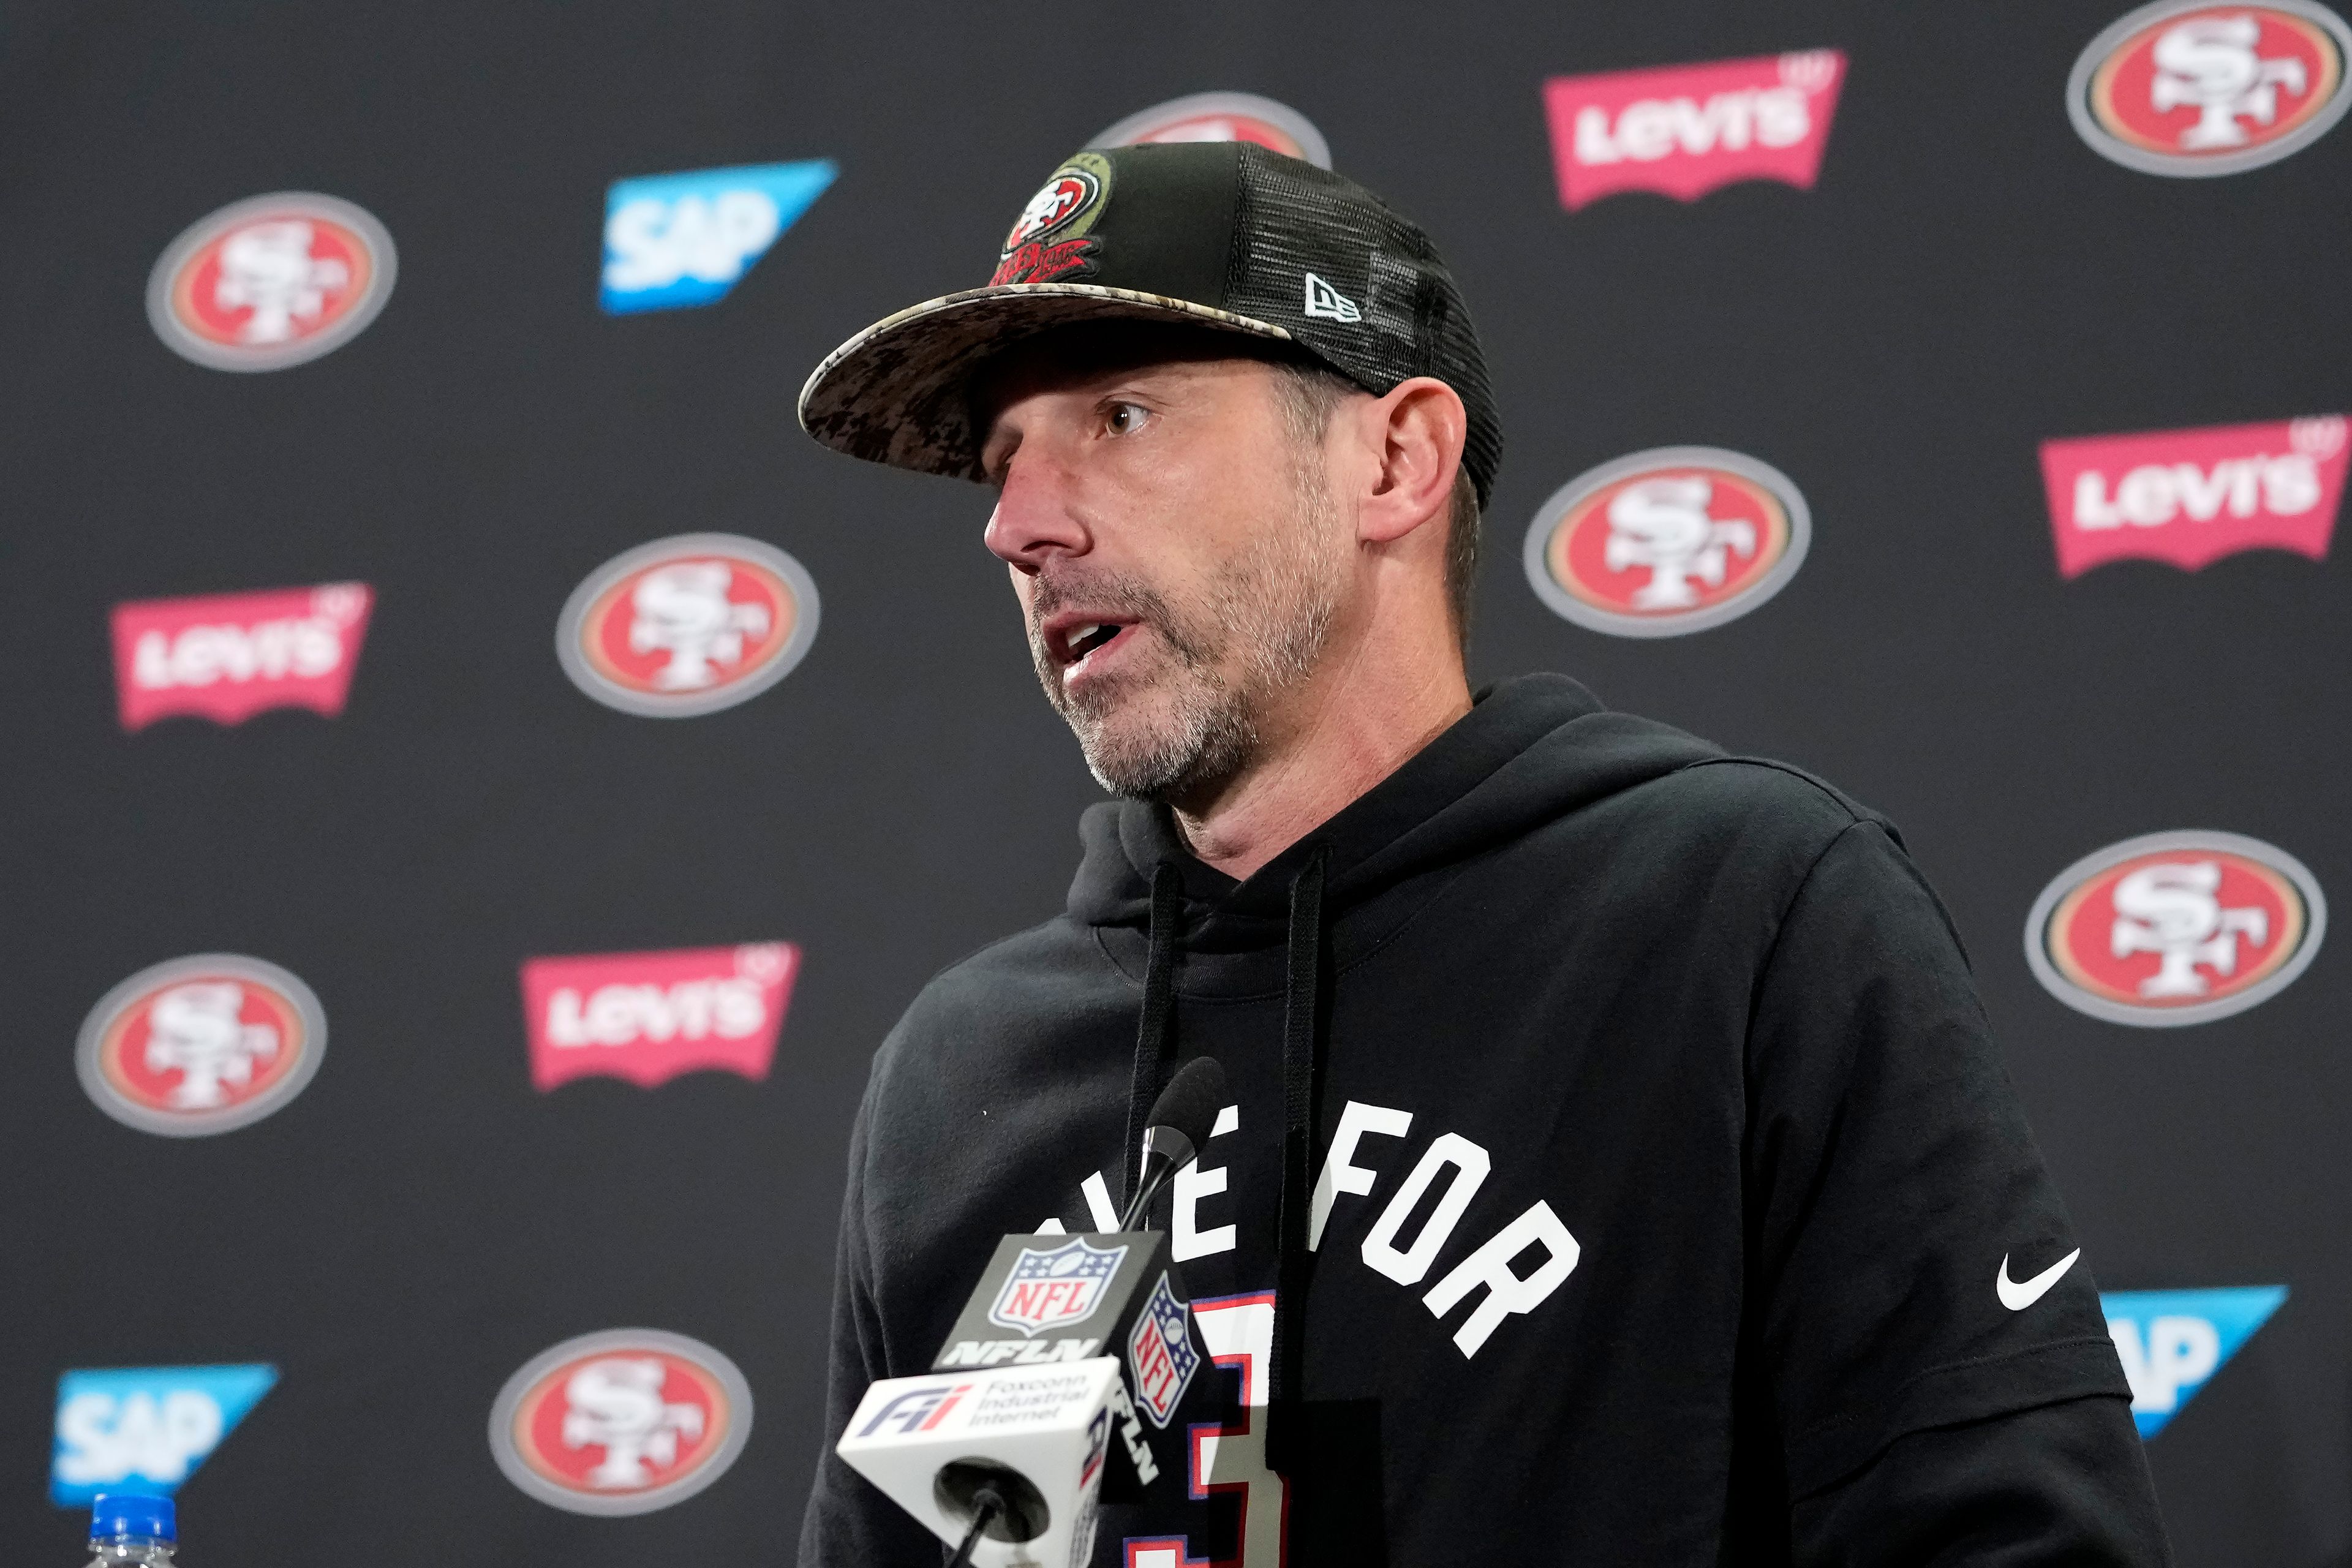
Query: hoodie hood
[1530,749]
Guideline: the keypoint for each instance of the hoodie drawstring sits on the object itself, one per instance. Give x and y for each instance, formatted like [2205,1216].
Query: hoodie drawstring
[1152,1031]
[1302,1040]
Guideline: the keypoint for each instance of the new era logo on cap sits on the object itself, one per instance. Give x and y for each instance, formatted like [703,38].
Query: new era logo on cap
[1327,304]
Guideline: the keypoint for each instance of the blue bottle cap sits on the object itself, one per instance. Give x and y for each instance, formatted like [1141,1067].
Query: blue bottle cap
[134,1514]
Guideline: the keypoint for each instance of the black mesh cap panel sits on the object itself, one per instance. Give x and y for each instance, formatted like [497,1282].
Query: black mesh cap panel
[1296,219]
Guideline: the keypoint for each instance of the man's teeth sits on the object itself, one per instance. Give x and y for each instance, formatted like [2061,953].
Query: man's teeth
[1085,640]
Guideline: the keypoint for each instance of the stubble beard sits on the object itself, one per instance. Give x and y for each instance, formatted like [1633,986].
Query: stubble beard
[1195,718]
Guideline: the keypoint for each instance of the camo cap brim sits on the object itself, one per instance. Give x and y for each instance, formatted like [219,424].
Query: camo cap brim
[899,392]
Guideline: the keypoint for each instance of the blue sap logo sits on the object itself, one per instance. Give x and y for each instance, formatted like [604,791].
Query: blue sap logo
[2173,1342]
[684,239]
[150,1427]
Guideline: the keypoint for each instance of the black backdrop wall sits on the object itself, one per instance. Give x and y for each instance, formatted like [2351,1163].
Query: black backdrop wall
[1967,278]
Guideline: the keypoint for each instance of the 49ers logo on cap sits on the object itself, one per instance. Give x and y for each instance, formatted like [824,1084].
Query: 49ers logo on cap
[270,282]
[201,1045]
[687,624]
[2175,928]
[625,1421]
[1223,116]
[2188,88]
[1666,542]
[1048,240]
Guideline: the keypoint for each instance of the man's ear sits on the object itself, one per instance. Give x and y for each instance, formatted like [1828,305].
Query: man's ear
[1414,437]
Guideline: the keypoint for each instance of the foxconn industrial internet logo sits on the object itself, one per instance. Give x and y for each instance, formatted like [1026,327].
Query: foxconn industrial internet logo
[201,1045]
[2190,89]
[1669,541]
[2175,928]
[645,1017]
[226,657]
[625,1421]
[2190,497]
[687,624]
[1222,117]
[1683,130]
[271,282]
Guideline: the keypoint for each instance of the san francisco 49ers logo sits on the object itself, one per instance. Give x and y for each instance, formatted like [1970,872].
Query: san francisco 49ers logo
[2188,88]
[625,1421]
[1223,116]
[1666,542]
[270,282]
[687,626]
[1048,240]
[2175,928]
[201,1045]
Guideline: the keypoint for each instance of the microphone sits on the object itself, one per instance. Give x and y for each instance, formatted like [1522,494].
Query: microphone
[1179,1124]
[1069,1379]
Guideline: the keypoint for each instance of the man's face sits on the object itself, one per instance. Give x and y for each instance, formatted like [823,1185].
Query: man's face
[1178,557]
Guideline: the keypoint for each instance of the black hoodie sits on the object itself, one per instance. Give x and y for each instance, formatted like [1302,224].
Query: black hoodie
[1652,1190]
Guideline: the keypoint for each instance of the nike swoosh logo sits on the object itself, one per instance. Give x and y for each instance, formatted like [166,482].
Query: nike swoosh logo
[2018,1294]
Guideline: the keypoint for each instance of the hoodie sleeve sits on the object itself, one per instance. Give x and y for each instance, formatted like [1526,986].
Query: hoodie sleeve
[848,1524]
[1919,1316]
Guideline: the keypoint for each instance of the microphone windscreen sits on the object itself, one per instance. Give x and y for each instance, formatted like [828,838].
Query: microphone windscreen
[1191,1101]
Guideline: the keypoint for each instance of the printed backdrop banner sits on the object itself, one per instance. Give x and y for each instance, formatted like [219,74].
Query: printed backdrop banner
[457,878]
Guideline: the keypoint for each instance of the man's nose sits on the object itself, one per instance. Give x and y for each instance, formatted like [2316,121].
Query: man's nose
[1036,517]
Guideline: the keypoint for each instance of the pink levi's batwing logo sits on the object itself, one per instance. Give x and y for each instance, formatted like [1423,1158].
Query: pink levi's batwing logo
[1683,130]
[648,1017]
[2190,497]
[226,657]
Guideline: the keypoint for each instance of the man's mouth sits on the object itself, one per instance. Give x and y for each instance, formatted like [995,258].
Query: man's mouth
[1080,643]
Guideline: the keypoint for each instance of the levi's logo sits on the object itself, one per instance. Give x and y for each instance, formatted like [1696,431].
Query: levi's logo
[2190,497]
[226,657]
[1683,130]
[648,1017]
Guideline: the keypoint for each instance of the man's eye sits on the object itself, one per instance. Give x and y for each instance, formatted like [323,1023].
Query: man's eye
[1125,419]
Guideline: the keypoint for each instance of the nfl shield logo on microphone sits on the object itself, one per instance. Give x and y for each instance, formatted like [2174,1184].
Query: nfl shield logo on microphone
[1049,1287]
[1161,1353]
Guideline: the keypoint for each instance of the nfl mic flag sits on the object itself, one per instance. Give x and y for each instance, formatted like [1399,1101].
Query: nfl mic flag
[1051,1299]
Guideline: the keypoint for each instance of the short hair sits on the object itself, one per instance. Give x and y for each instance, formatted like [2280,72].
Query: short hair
[1309,393]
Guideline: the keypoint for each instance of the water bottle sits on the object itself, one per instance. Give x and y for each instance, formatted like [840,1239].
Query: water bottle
[132,1528]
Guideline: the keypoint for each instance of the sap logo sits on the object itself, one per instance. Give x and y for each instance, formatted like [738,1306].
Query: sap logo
[2173,1342]
[672,240]
[151,1427]
[1018,1353]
